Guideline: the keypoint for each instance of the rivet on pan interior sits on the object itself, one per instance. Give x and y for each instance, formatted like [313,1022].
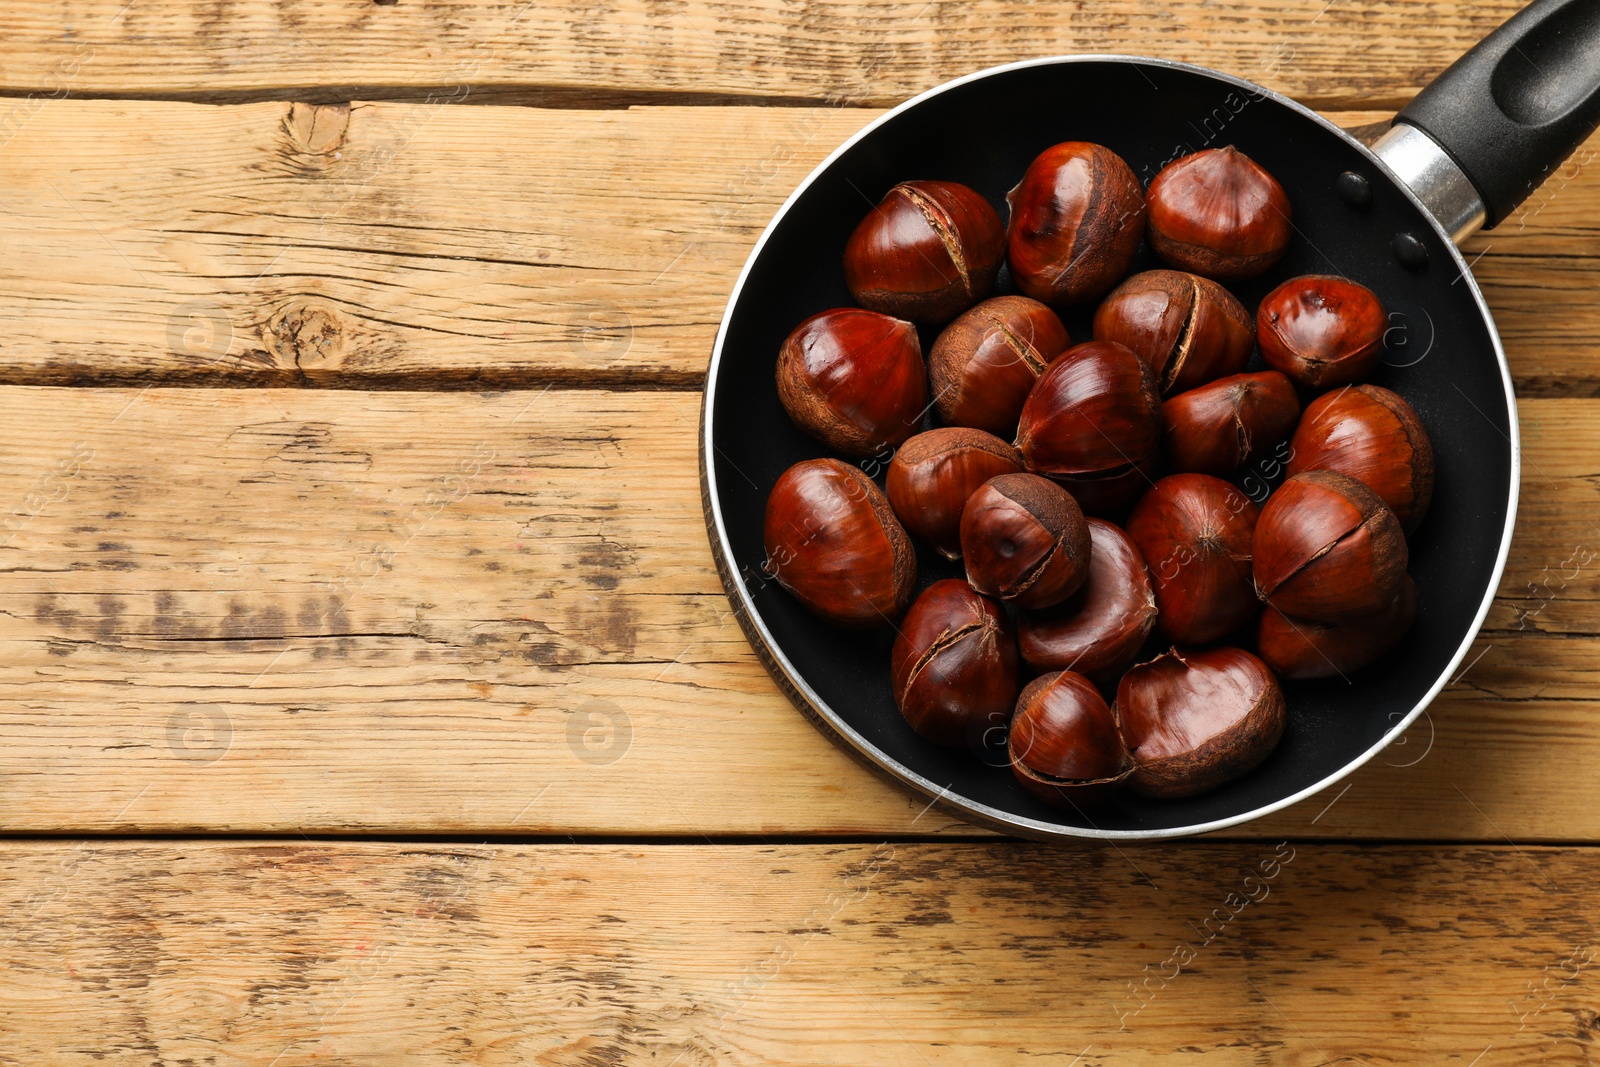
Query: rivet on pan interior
[1354,189]
[1411,252]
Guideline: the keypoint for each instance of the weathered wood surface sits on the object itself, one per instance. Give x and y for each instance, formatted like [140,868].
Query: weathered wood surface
[863,52]
[401,244]
[281,610]
[294,954]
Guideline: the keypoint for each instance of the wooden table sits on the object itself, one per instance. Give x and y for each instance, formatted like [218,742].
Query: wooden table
[369,696]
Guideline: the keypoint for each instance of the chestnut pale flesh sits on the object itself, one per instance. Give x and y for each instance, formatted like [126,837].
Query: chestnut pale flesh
[1219,213]
[854,380]
[1321,330]
[1064,744]
[954,666]
[1194,720]
[1373,435]
[932,475]
[1328,548]
[1099,629]
[1077,218]
[928,251]
[1024,540]
[1189,330]
[1195,532]
[1301,648]
[1222,427]
[985,362]
[833,542]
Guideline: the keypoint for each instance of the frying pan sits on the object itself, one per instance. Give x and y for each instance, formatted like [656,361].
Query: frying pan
[1463,155]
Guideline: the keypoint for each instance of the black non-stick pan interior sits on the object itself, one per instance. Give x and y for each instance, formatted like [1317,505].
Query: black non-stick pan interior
[1442,357]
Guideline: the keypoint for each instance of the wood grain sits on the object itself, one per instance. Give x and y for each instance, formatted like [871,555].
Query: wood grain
[896,954]
[393,245]
[863,52]
[328,611]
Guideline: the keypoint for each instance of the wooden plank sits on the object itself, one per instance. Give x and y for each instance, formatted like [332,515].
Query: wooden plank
[328,611]
[895,954]
[863,52]
[284,244]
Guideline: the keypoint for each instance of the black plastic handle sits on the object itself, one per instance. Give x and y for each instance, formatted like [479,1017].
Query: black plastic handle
[1515,107]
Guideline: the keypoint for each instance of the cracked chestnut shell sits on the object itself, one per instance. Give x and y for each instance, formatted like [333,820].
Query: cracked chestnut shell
[1328,548]
[1024,539]
[926,252]
[854,380]
[1301,648]
[954,665]
[984,363]
[1195,532]
[1077,218]
[1098,630]
[1220,214]
[1194,720]
[1371,434]
[1321,330]
[833,542]
[933,474]
[1093,423]
[1220,428]
[1064,744]
[1189,330]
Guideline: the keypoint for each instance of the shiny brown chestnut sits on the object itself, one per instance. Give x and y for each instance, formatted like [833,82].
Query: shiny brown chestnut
[1218,213]
[1098,630]
[933,474]
[1093,423]
[1024,539]
[1064,744]
[1328,548]
[833,542]
[1371,434]
[1219,428]
[1077,218]
[928,251]
[1195,533]
[984,363]
[1196,719]
[1321,330]
[954,666]
[1189,330]
[854,380]
[1301,648]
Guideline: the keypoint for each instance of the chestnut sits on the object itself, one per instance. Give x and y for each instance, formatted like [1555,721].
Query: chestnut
[1077,218]
[1301,648]
[1321,330]
[1195,532]
[1098,630]
[1189,330]
[983,364]
[954,665]
[833,542]
[854,380]
[1327,548]
[1218,213]
[1221,427]
[1024,540]
[1196,719]
[928,251]
[1064,744]
[1371,434]
[1093,423]
[933,474]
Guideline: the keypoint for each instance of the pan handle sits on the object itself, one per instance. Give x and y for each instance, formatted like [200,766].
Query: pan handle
[1503,117]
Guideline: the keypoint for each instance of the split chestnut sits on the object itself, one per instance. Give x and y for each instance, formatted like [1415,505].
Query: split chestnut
[1024,540]
[984,363]
[954,666]
[854,380]
[1064,743]
[928,251]
[1189,330]
[1219,428]
[1077,218]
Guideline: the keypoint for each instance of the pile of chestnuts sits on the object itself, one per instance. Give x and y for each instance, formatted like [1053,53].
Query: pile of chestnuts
[1128,611]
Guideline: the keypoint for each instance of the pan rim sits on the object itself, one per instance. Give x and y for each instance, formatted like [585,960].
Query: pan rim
[820,713]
